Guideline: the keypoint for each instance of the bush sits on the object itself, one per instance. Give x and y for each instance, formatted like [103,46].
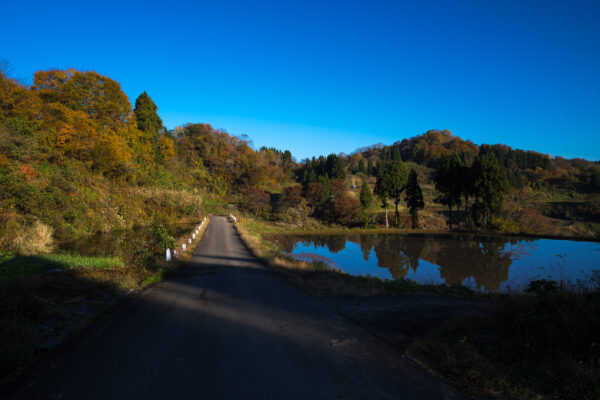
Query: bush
[161,237]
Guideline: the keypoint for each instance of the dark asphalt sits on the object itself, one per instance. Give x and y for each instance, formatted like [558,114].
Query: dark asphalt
[225,327]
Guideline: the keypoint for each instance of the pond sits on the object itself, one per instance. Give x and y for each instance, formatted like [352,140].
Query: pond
[130,245]
[485,263]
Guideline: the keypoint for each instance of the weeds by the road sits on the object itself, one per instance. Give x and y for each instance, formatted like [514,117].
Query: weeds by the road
[44,298]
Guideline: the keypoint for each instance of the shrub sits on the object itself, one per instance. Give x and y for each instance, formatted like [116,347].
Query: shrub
[161,237]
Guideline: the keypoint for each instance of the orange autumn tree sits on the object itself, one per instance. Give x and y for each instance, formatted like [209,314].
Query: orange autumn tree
[15,100]
[89,118]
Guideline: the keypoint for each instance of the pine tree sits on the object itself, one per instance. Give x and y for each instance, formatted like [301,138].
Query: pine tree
[147,117]
[414,198]
[366,197]
[489,184]
[336,167]
[449,183]
[287,156]
[398,177]
[362,167]
[382,190]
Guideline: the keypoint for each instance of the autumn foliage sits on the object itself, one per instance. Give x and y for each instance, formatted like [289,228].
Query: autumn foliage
[77,156]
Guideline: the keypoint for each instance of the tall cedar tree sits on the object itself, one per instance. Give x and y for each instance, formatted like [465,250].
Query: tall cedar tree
[489,184]
[383,189]
[398,177]
[336,167]
[147,117]
[414,198]
[362,166]
[450,184]
[366,197]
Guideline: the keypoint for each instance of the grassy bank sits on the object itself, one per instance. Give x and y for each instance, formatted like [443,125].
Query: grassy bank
[45,298]
[537,345]
[314,227]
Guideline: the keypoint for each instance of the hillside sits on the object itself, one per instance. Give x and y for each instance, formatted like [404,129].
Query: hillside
[77,158]
[525,167]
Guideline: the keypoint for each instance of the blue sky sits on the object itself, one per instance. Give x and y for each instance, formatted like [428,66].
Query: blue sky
[318,77]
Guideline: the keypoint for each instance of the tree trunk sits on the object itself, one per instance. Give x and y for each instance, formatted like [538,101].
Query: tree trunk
[397,215]
[386,217]
[415,219]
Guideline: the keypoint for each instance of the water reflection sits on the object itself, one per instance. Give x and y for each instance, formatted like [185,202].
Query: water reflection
[131,245]
[481,262]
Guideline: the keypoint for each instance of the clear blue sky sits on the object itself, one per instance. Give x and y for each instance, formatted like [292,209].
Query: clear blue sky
[321,76]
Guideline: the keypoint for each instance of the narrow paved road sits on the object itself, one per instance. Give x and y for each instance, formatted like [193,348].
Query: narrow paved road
[225,328]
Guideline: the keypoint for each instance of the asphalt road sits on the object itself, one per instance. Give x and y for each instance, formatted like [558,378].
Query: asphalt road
[225,327]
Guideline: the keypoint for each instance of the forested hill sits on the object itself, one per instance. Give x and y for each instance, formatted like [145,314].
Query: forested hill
[523,167]
[76,157]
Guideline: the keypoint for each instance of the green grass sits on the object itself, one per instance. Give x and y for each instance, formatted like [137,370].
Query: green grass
[6,256]
[22,266]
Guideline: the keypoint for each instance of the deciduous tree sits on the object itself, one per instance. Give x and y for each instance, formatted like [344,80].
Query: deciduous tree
[256,200]
[345,209]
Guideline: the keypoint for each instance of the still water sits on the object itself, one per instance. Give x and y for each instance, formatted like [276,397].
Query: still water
[488,264]
[130,245]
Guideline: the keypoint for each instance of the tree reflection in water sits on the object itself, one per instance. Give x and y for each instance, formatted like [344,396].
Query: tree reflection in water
[484,260]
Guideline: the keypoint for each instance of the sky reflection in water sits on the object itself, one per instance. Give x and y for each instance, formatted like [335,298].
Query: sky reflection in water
[483,263]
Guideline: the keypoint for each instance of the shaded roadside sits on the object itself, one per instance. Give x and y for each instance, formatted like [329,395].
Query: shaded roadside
[227,327]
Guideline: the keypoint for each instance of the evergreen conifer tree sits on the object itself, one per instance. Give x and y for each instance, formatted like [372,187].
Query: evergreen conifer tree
[366,197]
[146,115]
[414,198]
[382,190]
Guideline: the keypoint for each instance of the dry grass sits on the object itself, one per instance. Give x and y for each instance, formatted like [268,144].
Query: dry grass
[33,239]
